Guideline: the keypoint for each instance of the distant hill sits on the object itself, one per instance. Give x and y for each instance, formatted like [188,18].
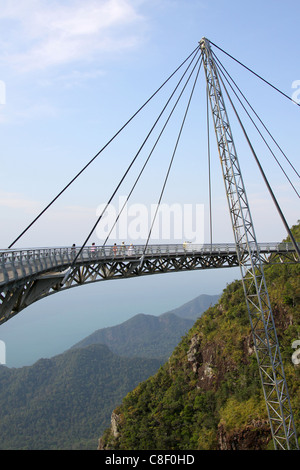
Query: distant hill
[149,335]
[60,403]
[65,402]
[194,308]
[142,336]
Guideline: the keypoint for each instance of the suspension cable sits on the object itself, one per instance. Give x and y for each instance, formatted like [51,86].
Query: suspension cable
[131,164]
[171,161]
[103,148]
[276,143]
[263,174]
[254,73]
[282,169]
[150,154]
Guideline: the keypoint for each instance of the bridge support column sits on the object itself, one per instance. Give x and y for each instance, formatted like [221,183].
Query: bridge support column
[260,313]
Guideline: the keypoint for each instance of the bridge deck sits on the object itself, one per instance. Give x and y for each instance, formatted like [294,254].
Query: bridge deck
[18,264]
[28,275]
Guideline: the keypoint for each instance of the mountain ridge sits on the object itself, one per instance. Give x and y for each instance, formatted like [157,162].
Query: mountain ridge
[65,402]
[150,333]
[141,336]
[192,308]
[58,403]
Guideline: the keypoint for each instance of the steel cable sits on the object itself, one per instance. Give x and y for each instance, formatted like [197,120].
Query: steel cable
[274,156]
[254,73]
[263,174]
[131,164]
[150,154]
[102,149]
[172,159]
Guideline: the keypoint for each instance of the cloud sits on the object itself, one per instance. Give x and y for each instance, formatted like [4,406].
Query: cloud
[39,34]
[18,201]
[73,78]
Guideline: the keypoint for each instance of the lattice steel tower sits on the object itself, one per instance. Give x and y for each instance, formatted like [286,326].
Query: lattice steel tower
[260,313]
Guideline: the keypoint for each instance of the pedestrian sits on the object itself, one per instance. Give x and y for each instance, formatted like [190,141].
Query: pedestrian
[93,250]
[130,250]
[115,249]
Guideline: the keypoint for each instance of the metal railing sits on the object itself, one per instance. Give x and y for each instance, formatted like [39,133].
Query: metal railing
[15,264]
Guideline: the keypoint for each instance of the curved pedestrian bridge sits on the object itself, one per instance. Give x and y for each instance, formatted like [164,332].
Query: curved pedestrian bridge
[27,275]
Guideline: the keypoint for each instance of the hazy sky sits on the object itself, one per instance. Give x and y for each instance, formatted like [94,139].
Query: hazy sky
[73,72]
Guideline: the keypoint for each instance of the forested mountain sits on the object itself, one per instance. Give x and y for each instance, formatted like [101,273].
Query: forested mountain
[150,335]
[65,402]
[196,307]
[60,403]
[208,395]
[142,336]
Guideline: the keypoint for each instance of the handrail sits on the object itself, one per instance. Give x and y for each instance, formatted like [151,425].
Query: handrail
[17,264]
[28,253]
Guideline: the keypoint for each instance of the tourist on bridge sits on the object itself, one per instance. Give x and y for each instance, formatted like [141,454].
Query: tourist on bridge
[93,250]
[130,250]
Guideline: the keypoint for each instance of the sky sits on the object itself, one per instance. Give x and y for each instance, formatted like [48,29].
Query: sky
[71,74]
